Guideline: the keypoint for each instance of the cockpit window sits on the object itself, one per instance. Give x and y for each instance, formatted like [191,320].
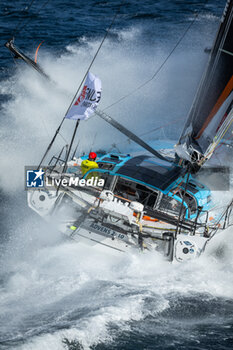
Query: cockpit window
[106,166]
[147,196]
[136,192]
[169,205]
[113,159]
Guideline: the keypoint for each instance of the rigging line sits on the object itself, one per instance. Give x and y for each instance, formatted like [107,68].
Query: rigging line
[90,65]
[163,63]
[101,44]
[162,126]
[157,71]
[19,29]
[215,144]
[78,120]
[224,144]
[63,138]
[153,130]
[182,207]
[27,8]
[216,226]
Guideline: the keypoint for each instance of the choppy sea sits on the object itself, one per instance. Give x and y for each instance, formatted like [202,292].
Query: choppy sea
[55,294]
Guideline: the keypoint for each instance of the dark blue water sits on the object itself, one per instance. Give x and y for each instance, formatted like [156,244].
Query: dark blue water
[57,295]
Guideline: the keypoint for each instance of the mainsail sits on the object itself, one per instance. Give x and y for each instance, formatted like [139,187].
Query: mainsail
[211,113]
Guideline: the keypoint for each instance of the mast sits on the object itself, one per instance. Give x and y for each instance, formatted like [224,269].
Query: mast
[211,109]
[86,74]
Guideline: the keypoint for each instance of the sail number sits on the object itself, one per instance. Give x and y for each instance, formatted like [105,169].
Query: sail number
[107,231]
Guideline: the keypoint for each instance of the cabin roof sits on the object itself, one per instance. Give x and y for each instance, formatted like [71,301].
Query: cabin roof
[151,170]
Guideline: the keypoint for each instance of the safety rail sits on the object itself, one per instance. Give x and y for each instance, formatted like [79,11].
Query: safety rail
[228,219]
[58,160]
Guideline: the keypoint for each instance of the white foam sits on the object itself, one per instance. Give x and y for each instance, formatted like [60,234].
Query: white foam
[37,106]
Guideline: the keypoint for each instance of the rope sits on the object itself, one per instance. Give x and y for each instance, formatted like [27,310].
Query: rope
[66,142]
[163,63]
[148,132]
[216,142]
[101,44]
[78,120]
[156,73]
[90,65]
[25,9]
[162,126]
[18,29]
[225,144]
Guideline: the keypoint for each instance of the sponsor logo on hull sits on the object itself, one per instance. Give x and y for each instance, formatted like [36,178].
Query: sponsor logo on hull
[107,231]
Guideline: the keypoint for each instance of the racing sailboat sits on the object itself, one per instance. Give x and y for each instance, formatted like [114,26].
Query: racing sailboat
[150,201]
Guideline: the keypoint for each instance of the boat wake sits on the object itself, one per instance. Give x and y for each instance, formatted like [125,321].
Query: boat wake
[58,293]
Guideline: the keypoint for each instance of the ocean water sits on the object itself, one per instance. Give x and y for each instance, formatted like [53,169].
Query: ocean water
[55,294]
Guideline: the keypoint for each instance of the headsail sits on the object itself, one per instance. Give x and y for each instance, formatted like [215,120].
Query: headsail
[210,116]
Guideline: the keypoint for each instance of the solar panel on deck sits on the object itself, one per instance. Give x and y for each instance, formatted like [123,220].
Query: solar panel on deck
[151,171]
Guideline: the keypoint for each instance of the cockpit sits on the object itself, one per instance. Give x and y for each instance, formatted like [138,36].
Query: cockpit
[150,181]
